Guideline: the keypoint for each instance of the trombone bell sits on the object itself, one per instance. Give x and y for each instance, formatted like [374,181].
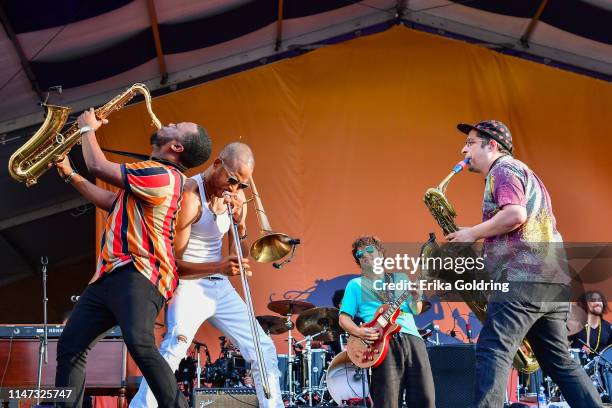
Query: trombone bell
[271,247]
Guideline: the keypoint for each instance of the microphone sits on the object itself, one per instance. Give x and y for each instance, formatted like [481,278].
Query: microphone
[437,331]
[468,331]
[74,298]
[293,242]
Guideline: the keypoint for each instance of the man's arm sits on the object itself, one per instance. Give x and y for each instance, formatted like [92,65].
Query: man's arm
[101,198]
[95,160]
[240,210]
[509,218]
[227,266]
[191,211]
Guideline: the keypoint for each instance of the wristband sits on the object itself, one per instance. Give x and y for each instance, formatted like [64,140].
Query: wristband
[85,129]
[68,178]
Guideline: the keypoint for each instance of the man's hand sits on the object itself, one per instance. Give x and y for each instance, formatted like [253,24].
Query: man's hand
[88,118]
[465,234]
[366,333]
[63,167]
[230,267]
[236,200]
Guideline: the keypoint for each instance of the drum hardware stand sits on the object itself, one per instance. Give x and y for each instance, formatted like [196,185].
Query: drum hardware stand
[308,340]
[42,349]
[290,339]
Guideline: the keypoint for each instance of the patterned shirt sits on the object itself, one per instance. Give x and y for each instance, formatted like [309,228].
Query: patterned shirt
[534,251]
[140,224]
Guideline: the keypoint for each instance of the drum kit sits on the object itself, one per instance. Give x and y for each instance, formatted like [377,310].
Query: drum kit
[312,374]
[597,365]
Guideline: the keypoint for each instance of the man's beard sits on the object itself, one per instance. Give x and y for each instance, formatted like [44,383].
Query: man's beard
[595,312]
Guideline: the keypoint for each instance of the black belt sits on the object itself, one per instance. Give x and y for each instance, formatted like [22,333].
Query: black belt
[214,278]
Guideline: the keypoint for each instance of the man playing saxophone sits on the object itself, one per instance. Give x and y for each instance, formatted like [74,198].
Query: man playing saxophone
[204,292]
[136,271]
[519,232]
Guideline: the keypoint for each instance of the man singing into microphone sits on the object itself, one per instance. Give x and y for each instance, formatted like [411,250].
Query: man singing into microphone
[204,291]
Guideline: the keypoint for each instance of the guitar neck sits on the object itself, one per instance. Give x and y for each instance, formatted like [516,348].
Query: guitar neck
[396,304]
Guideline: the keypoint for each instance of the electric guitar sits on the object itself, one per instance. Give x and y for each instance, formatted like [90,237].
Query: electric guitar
[371,354]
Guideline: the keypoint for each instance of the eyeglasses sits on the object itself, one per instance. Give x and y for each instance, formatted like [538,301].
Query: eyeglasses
[233,180]
[470,142]
[369,249]
[595,299]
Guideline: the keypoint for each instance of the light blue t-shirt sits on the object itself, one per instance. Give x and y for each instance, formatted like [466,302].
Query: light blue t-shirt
[364,302]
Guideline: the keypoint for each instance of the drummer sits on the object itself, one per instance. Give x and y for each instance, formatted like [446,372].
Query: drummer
[406,365]
[596,332]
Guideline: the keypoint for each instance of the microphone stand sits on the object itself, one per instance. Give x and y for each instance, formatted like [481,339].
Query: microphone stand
[42,348]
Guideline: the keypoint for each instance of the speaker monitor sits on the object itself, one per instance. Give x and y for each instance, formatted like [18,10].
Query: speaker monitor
[453,373]
[224,398]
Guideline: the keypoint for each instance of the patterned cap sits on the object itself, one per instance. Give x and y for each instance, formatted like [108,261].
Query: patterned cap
[492,128]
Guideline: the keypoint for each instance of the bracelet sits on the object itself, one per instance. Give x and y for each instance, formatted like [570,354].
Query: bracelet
[85,129]
[68,178]
[242,238]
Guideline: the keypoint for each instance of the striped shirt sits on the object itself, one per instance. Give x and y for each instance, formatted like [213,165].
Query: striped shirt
[140,224]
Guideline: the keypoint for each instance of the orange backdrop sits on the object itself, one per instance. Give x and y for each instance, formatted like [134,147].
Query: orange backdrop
[347,139]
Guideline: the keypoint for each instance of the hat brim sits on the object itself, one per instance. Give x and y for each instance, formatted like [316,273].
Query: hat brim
[467,128]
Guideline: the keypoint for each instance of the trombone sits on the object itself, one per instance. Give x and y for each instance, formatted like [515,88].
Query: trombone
[270,247]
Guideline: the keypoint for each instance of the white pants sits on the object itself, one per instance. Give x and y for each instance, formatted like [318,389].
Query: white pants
[196,301]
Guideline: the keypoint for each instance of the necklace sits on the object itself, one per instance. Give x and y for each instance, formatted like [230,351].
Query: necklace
[587,328]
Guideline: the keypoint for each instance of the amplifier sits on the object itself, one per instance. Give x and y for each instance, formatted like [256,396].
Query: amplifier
[28,331]
[453,373]
[224,397]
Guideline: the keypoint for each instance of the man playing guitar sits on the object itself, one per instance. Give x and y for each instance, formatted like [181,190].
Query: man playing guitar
[406,364]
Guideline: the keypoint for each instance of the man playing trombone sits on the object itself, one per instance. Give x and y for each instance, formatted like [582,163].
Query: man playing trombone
[204,291]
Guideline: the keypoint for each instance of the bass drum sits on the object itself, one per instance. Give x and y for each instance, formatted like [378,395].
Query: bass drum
[603,373]
[345,381]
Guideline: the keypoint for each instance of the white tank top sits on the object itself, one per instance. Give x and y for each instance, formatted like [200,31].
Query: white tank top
[207,233]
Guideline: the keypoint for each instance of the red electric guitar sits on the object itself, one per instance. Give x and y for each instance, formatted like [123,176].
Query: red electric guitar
[371,354]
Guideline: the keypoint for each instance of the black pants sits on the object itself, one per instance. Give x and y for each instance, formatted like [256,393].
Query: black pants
[124,297]
[405,368]
[528,312]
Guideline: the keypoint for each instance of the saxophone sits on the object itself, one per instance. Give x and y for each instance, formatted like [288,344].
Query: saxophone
[444,213]
[49,144]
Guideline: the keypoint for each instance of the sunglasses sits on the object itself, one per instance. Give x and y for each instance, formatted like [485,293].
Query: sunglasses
[233,180]
[369,249]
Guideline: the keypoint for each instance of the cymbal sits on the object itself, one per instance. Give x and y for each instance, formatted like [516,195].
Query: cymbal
[576,319]
[289,306]
[272,324]
[316,320]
